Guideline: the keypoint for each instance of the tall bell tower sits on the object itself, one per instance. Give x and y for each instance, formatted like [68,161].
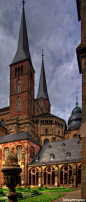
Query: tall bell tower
[22,77]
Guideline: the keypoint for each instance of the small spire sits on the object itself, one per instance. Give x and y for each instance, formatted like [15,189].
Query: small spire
[23,3]
[76,101]
[42,55]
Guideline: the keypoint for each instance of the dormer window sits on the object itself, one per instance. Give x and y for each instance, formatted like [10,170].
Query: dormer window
[49,146]
[68,155]
[36,158]
[63,144]
[51,156]
[78,142]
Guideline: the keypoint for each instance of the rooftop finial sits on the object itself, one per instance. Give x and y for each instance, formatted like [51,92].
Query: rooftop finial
[42,54]
[23,3]
[76,101]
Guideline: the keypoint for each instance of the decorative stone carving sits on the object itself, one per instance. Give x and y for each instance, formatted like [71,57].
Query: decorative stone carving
[11,171]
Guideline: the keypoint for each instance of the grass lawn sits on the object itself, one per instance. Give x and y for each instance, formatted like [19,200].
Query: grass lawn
[42,198]
[58,190]
[44,194]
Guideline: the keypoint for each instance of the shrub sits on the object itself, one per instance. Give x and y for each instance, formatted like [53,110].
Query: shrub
[27,187]
[34,191]
[39,188]
[19,188]
[45,187]
[19,195]
[1,191]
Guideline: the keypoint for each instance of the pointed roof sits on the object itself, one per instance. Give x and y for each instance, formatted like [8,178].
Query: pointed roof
[23,52]
[42,91]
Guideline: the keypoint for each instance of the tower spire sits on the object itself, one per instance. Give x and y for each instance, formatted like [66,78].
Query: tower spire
[23,52]
[42,90]
[23,3]
[76,101]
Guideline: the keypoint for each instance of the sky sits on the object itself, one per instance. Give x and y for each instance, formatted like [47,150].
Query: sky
[53,26]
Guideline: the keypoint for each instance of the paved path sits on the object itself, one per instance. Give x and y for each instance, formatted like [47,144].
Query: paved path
[76,194]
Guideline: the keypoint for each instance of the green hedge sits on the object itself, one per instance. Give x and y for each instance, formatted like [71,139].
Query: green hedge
[34,191]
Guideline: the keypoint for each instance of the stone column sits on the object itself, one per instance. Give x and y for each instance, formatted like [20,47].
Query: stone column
[74,175]
[23,169]
[39,179]
[42,178]
[56,176]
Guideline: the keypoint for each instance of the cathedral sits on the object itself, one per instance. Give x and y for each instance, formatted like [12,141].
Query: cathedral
[48,151]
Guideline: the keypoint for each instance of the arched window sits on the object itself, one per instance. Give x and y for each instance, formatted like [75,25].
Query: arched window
[65,174]
[32,152]
[3,123]
[6,151]
[79,174]
[18,71]
[75,135]
[49,175]
[30,86]
[46,141]
[21,70]
[33,174]
[19,152]
[58,132]
[46,131]
[53,138]
[30,106]
[19,86]
[18,104]
[30,73]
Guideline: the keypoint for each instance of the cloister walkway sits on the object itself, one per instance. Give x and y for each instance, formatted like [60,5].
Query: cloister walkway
[76,194]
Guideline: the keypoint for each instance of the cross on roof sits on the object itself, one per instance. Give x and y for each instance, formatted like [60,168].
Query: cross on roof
[42,54]
[23,2]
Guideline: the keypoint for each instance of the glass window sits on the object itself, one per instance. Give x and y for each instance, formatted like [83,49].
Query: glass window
[19,152]
[32,152]
[46,141]
[18,104]
[18,71]
[15,72]
[6,151]
[3,123]
[19,86]
[21,70]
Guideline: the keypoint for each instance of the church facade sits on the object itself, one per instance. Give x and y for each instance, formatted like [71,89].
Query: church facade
[44,145]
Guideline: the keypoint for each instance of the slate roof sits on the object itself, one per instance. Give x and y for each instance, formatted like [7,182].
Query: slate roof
[75,119]
[42,90]
[23,52]
[59,149]
[18,136]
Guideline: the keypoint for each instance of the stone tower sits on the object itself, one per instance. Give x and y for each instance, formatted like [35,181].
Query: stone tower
[22,77]
[81,56]
[42,103]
